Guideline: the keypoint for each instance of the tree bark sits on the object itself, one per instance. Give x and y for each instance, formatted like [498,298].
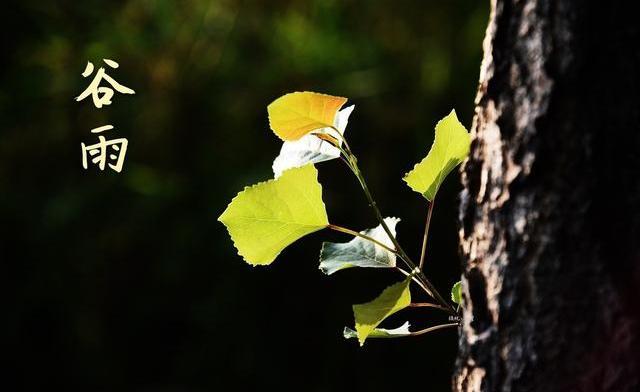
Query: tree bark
[550,230]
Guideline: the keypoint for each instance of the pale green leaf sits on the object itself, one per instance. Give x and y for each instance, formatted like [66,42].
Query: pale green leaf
[310,148]
[456,293]
[369,315]
[296,114]
[360,252]
[402,330]
[450,148]
[265,218]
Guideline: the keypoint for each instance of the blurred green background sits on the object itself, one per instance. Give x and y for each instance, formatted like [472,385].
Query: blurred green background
[126,282]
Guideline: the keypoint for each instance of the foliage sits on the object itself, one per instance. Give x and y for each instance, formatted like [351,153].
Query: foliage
[360,252]
[369,315]
[456,293]
[401,331]
[312,149]
[294,115]
[265,218]
[111,265]
[450,148]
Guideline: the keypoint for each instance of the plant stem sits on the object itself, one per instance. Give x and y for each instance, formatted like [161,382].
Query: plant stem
[352,163]
[434,293]
[415,279]
[426,233]
[434,328]
[427,305]
[363,236]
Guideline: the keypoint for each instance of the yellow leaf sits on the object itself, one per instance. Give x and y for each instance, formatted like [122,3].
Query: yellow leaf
[296,114]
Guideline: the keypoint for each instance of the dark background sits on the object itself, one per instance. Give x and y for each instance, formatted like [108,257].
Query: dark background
[126,282]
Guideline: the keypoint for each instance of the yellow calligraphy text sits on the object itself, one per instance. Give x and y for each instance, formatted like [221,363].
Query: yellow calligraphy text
[102,95]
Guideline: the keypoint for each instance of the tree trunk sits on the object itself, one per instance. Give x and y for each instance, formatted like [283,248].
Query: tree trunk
[550,229]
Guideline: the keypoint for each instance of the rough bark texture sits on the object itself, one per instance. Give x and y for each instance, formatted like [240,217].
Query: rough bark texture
[550,228]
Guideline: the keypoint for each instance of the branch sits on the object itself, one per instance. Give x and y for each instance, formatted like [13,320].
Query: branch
[434,328]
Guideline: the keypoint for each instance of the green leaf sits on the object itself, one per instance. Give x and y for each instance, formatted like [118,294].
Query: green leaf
[456,293]
[450,148]
[402,330]
[369,315]
[360,252]
[265,218]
